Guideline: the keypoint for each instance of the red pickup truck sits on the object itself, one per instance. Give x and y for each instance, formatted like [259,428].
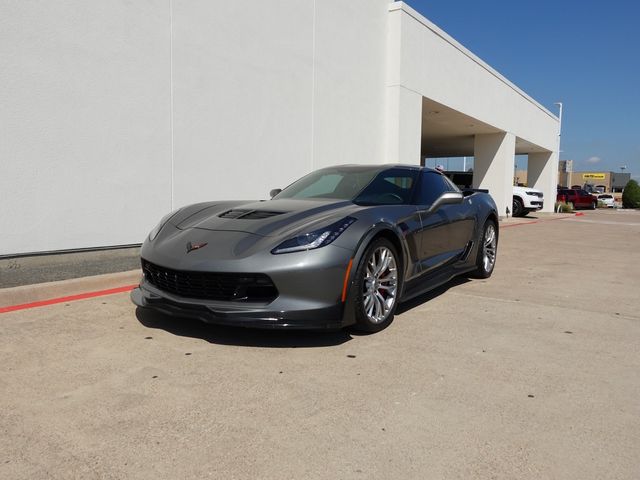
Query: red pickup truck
[580,198]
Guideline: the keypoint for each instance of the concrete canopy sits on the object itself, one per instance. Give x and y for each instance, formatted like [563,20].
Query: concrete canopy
[449,133]
[445,101]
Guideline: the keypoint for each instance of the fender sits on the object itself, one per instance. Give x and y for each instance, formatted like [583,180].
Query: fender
[348,316]
[485,215]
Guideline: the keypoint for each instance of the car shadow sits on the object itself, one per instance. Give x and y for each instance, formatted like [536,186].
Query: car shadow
[426,297]
[239,336]
[250,337]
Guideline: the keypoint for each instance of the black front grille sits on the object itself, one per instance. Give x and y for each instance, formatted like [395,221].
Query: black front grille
[229,287]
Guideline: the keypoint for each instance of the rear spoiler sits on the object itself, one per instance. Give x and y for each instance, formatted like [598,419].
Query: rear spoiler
[463,180]
[470,191]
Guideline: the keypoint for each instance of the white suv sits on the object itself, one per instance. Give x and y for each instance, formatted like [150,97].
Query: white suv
[526,200]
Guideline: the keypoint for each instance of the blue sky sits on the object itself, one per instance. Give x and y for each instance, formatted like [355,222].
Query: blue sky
[585,54]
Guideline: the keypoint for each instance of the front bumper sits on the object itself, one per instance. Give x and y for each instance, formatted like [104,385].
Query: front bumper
[234,314]
[533,205]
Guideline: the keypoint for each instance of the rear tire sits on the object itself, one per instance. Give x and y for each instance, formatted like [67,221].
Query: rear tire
[518,207]
[376,286]
[487,250]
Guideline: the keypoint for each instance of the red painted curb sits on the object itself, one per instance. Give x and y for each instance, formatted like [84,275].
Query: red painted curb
[70,298]
[518,224]
[535,221]
[557,218]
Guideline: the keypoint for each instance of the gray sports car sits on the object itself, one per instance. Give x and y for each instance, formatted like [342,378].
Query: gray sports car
[341,246]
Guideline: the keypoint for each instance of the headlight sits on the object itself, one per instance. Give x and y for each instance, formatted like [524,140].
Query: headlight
[154,233]
[316,239]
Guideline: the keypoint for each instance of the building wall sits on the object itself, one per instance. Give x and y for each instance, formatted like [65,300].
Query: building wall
[264,93]
[85,139]
[114,113]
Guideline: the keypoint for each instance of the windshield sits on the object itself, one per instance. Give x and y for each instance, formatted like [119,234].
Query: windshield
[338,183]
[362,185]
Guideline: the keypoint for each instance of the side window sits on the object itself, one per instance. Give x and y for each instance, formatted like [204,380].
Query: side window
[452,186]
[391,187]
[432,185]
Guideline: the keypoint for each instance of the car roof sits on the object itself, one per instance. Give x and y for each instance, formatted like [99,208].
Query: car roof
[353,167]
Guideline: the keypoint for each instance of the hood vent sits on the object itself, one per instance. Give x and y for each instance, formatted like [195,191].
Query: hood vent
[249,214]
[233,213]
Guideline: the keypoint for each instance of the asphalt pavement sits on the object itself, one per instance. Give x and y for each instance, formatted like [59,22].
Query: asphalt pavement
[28,270]
[531,374]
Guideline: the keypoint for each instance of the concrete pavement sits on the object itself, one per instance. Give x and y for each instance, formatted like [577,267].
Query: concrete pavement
[533,373]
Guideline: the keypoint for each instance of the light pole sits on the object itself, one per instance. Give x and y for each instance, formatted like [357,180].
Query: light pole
[559,104]
[622,169]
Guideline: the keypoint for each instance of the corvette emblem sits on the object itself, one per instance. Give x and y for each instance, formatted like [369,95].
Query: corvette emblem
[195,246]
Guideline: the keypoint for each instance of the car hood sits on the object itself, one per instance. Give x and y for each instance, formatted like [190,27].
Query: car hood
[517,189]
[264,218]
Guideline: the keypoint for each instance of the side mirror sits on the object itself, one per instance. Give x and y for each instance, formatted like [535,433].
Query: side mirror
[274,192]
[447,198]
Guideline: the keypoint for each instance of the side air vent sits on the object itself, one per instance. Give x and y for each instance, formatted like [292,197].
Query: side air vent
[249,214]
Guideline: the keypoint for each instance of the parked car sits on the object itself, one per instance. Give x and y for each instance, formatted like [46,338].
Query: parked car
[526,200]
[578,197]
[607,199]
[341,246]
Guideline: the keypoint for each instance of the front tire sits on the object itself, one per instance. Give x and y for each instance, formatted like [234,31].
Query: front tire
[376,286]
[518,208]
[487,250]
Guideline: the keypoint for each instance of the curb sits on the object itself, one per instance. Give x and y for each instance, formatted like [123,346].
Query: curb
[538,217]
[45,291]
[516,222]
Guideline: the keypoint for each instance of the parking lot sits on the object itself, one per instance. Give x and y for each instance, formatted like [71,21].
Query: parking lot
[533,373]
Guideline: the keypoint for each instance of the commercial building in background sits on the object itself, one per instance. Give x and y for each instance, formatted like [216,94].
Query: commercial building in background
[115,113]
[593,180]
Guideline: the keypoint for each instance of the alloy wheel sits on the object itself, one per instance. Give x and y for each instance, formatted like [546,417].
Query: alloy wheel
[380,285]
[489,247]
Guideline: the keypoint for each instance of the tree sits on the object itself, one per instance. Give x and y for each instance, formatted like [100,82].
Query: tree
[631,195]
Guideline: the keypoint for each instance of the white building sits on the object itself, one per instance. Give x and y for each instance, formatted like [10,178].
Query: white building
[116,112]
